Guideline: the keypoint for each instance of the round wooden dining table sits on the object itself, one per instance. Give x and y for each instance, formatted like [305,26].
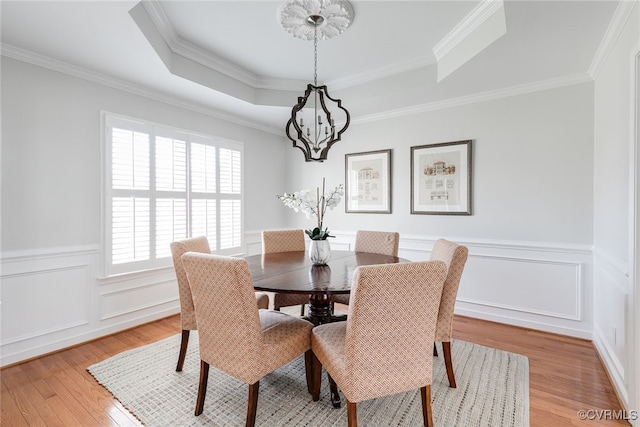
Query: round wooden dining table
[293,272]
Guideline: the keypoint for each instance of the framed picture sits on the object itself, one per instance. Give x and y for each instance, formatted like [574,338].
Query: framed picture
[368,182]
[441,179]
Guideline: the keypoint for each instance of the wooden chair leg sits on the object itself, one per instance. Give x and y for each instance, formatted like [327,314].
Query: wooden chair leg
[202,387]
[435,350]
[427,415]
[316,373]
[308,369]
[446,347]
[302,310]
[335,396]
[183,349]
[252,405]
[352,414]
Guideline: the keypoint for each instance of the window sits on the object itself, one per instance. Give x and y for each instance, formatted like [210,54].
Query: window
[163,185]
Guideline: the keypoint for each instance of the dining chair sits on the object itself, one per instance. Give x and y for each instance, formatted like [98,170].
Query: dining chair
[285,241]
[235,336]
[455,257]
[187,315]
[377,242]
[381,348]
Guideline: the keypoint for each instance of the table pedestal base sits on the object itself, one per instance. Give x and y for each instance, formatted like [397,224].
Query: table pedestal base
[319,313]
[320,310]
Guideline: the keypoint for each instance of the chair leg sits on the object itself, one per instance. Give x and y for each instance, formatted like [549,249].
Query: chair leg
[446,347]
[352,414]
[183,349]
[335,396]
[302,310]
[427,415]
[308,369]
[252,405]
[202,387]
[316,373]
[435,350]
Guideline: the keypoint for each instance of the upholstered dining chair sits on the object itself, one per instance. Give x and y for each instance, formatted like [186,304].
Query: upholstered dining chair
[234,335]
[377,242]
[455,257]
[285,241]
[381,349]
[187,315]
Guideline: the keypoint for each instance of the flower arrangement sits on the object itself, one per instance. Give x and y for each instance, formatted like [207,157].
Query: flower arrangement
[316,205]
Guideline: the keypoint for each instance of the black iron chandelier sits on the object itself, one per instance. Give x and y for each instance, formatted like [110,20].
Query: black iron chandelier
[316,133]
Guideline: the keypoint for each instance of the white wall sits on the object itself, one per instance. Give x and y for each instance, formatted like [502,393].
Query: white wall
[615,322]
[52,291]
[530,234]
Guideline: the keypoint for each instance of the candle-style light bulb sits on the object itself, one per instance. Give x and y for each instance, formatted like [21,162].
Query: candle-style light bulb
[319,119]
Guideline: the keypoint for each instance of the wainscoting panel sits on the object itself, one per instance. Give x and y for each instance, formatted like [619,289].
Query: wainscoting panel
[114,303]
[546,288]
[611,317]
[32,305]
[52,299]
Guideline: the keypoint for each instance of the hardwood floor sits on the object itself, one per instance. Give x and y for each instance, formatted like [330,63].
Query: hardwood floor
[565,376]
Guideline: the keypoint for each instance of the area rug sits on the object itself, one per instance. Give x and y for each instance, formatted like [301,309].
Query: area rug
[493,390]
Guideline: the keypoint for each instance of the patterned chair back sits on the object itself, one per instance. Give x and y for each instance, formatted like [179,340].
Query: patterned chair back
[230,334]
[282,241]
[178,248]
[377,242]
[455,257]
[388,347]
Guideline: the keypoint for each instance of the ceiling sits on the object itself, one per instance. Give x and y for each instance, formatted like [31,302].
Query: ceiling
[233,59]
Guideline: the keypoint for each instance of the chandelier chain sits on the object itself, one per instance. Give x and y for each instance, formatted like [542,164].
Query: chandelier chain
[315,55]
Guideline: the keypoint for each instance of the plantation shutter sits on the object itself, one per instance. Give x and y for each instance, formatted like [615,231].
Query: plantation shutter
[230,210]
[171,192]
[130,222]
[165,185]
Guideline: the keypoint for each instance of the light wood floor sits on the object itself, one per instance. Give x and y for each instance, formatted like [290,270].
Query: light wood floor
[566,376]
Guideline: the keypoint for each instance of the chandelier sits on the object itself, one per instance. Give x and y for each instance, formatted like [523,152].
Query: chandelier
[312,126]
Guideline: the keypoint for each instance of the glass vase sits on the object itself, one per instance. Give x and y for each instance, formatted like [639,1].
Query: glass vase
[319,252]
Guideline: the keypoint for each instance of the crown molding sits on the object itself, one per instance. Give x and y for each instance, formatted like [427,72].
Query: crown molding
[620,17]
[65,68]
[474,20]
[476,98]
[380,73]
[193,52]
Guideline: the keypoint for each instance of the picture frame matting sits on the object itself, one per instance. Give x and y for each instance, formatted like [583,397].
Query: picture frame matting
[441,178]
[368,182]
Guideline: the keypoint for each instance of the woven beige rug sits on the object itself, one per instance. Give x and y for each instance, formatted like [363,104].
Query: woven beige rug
[493,390]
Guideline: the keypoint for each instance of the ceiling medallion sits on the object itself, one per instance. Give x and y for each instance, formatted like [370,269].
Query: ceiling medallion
[302,17]
[312,126]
